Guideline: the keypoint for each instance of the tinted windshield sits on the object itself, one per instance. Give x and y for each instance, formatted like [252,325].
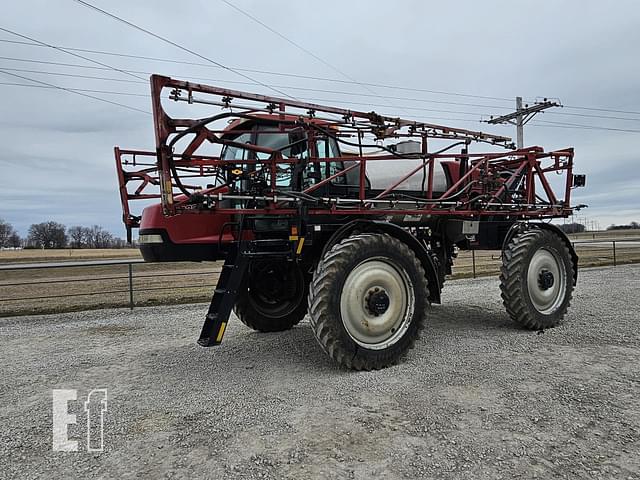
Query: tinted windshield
[268,137]
[237,153]
[297,147]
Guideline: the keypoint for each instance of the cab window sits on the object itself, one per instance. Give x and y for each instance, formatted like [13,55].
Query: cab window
[297,140]
[328,148]
[237,153]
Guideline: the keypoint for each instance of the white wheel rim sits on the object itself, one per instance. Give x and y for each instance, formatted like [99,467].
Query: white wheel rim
[367,327]
[546,281]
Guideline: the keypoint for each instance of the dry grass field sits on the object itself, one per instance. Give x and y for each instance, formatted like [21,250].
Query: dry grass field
[81,288]
[66,254]
[606,235]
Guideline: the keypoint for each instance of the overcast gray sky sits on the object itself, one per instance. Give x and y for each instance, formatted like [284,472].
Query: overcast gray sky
[56,156]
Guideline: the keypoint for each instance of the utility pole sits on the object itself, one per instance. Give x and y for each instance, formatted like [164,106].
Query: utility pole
[519,124]
[521,117]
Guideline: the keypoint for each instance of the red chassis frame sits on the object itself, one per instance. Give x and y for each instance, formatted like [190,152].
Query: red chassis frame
[498,184]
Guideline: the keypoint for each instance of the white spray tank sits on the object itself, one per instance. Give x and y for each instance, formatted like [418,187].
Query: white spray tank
[385,173]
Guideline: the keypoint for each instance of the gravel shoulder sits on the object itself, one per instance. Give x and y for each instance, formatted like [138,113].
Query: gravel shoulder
[476,398]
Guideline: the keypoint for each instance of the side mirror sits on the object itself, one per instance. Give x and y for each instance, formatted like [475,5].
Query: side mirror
[579,180]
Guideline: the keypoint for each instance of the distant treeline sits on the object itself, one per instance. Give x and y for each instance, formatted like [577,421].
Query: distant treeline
[579,228]
[631,226]
[57,235]
[572,227]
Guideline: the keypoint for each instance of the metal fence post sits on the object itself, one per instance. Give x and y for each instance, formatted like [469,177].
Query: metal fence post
[130,285]
[614,252]
[473,261]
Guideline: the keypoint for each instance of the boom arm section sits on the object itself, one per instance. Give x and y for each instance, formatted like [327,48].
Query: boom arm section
[186,176]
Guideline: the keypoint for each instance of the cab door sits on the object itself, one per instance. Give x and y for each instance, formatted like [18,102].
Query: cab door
[346,185]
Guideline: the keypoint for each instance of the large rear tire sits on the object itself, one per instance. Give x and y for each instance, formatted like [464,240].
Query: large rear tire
[368,301]
[536,279]
[274,297]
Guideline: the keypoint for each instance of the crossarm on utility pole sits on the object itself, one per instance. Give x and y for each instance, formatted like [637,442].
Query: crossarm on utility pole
[522,116]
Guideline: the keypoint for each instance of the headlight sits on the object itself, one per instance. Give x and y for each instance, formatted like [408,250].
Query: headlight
[153,238]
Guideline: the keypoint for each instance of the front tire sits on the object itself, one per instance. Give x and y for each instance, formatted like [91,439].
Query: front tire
[274,298]
[368,301]
[536,279]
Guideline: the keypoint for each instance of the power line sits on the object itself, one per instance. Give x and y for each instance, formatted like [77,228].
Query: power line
[589,127]
[50,85]
[109,92]
[267,72]
[336,92]
[468,120]
[570,127]
[327,101]
[133,74]
[309,77]
[602,110]
[350,102]
[170,42]
[292,42]
[584,115]
[298,46]
[550,124]
[75,75]
[317,78]
[44,44]
[324,100]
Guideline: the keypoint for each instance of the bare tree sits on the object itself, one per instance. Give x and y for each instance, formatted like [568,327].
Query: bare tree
[631,226]
[77,236]
[47,235]
[104,239]
[6,230]
[87,237]
[92,236]
[572,227]
[14,240]
[119,243]
[97,237]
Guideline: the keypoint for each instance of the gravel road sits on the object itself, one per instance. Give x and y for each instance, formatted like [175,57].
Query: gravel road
[477,397]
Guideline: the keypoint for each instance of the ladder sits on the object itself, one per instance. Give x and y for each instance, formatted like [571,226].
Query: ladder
[224,296]
[230,281]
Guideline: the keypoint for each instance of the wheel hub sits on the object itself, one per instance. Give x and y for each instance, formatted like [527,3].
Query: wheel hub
[545,280]
[377,301]
[275,291]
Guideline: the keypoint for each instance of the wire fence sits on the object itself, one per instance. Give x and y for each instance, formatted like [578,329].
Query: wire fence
[64,286]
[591,253]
